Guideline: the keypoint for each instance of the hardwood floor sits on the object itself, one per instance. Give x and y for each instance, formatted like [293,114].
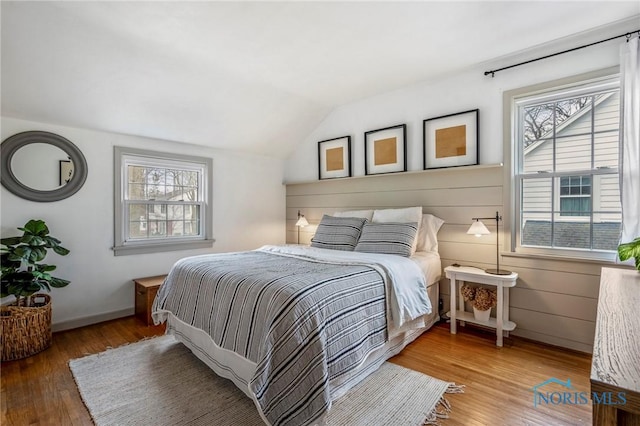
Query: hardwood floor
[499,381]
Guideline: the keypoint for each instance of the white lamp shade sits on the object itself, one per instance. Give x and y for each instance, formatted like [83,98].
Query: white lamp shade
[477,228]
[302,222]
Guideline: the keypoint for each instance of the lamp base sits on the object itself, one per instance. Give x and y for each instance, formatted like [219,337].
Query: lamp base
[497,272]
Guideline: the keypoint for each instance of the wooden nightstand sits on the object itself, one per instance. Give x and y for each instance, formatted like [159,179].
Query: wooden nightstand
[146,289]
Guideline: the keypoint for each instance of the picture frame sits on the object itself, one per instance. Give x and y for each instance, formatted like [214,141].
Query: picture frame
[334,158]
[451,140]
[66,171]
[385,150]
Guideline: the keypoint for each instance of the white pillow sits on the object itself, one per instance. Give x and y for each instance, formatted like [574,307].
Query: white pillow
[428,233]
[367,214]
[406,215]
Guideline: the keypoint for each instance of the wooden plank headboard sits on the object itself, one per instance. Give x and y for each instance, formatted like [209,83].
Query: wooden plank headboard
[453,194]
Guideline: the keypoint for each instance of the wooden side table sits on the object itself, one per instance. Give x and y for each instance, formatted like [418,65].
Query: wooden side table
[146,289]
[502,282]
[615,366]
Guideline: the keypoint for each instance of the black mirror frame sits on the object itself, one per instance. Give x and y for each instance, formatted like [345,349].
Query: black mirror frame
[8,179]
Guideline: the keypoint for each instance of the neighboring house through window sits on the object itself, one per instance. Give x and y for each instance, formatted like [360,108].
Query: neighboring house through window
[575,195]
[162,201]
[566,176]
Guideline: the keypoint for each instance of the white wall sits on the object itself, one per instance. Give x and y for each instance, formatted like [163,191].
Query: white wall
[466,90]
[248,211]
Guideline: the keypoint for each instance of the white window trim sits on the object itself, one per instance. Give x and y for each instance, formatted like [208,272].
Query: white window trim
[574,85]
[123,247]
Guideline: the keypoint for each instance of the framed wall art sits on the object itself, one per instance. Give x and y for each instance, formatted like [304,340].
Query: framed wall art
[451,140]
[334,158]
[66,171]
[385,150]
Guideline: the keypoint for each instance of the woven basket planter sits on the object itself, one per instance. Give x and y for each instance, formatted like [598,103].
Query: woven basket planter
[25,330]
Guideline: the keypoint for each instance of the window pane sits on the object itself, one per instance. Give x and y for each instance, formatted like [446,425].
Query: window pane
[192,212]
[157,212]
[175,212]
[137,191]
[573,116]
[575,206]
[175,228]
[137,229]
[607,232]
[136,174]
[572,234]
[536,230]
[190,178]
[607,112]
[191,227]
[536,196]
[573,153]
[156,176]
[157,228]
[608,198]
[606,149]
[190,193]
[138,212]
[537,123]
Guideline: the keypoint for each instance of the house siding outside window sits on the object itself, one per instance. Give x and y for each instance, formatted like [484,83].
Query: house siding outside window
[566,169]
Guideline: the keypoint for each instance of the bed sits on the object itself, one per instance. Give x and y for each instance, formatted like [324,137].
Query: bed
[295,327]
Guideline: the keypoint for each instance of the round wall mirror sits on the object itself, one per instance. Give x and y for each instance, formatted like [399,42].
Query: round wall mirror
[41,166]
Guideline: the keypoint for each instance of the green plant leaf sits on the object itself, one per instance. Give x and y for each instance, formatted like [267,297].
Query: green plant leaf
[628,250]
[21,273]
[60,250]
[36,227]
[37,254]
[11,241]
[45,268]
[59,282]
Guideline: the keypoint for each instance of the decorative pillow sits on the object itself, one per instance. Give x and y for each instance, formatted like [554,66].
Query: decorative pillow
[428,233]
[367,214]
[406,215]
[388,238]
[338,233]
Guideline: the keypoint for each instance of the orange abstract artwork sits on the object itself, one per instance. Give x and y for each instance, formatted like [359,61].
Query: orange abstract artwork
[385,151]
[335,159]
[451,142]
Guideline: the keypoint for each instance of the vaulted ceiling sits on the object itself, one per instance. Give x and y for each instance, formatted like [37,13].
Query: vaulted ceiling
[252,76]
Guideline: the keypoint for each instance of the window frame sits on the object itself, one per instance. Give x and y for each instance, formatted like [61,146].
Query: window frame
[571,87]
[122,158]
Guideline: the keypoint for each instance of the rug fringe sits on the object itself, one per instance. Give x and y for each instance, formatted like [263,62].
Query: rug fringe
[453,388]
[443,407]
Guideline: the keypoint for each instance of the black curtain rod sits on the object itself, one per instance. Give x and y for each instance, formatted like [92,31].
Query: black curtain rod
[627,35]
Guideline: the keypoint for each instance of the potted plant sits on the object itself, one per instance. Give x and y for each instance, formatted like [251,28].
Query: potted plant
[482,299]
[27,321]
[629,250]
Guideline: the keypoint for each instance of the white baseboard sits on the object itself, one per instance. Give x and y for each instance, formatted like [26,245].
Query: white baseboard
[94,319]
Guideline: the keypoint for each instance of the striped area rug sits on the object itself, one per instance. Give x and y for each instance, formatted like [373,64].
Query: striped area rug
[159,382]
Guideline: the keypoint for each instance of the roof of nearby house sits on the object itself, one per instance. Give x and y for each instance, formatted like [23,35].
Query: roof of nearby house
[606,235]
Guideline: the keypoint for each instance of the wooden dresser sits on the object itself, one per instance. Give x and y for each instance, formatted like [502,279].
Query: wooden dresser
[615,367]
[146,289]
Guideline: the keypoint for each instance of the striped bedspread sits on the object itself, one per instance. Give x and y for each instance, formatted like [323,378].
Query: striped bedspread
[303,321]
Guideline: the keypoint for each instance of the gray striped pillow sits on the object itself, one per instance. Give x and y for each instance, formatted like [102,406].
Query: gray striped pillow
[387,238]
[338,233]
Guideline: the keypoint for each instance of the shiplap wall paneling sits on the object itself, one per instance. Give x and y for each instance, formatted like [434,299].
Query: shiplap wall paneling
[554,300]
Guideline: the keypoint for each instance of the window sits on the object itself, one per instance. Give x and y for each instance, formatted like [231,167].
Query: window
[161,201]
[566,147]
[575,196]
